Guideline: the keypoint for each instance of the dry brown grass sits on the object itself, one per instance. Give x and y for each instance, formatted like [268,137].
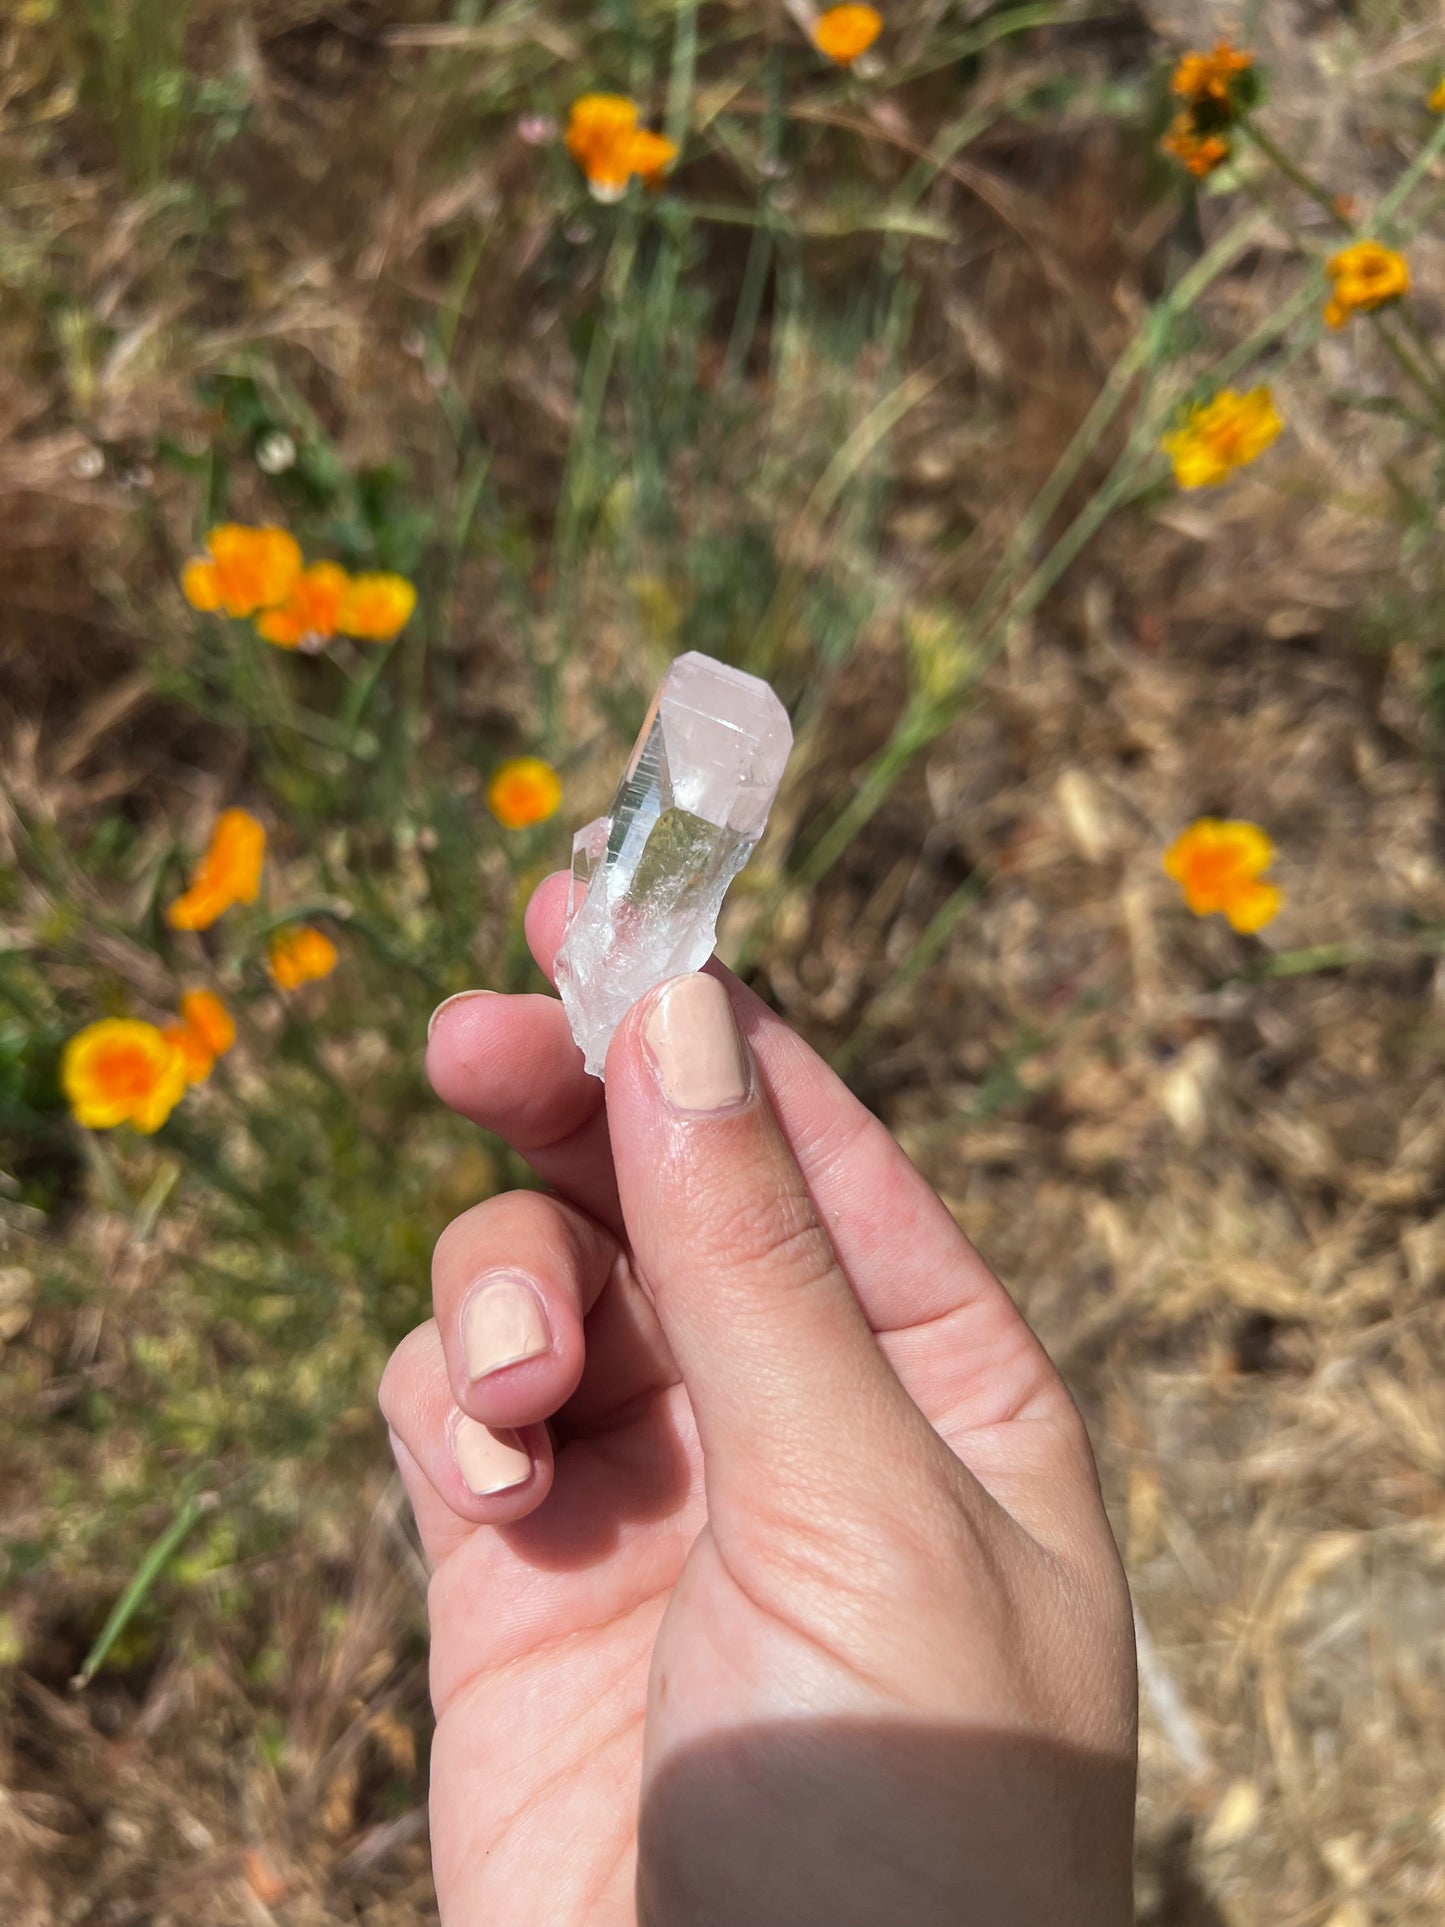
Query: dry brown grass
[1216,1191]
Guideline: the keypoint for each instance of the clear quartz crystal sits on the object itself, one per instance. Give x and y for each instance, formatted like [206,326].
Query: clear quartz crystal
[648,879]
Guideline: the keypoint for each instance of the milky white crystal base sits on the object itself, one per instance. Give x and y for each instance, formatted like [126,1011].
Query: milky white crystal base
[649,878]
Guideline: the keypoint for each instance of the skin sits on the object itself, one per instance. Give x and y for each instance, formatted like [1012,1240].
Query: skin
[808,1612]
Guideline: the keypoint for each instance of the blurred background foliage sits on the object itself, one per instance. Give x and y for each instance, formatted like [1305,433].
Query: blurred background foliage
[868,398]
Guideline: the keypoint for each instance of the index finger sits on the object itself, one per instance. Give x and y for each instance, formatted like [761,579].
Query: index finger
[510,1065]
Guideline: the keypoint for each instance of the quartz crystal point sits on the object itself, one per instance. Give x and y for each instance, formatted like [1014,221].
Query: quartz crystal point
[648,879]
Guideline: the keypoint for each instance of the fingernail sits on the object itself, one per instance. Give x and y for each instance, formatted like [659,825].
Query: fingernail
[502,1323]
[446,1004]
[489,1461]
[696,1051]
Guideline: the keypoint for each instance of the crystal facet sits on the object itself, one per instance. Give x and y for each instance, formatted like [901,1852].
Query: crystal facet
[648,879]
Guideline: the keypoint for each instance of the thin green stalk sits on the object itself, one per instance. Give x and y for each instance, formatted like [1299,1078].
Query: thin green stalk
[1402,357]
[358,695]
[1147,345]
[679,83]
[449,319]
[950,144]
[943,52]
[750,302]
[879,422]
[1407,319]
[1292,171]
[940,928]
[917,727]
[1410,179]
[592,393]
[1310,962]
[146,1574]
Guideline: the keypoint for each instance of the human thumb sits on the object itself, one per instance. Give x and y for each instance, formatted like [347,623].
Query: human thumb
[784,1375]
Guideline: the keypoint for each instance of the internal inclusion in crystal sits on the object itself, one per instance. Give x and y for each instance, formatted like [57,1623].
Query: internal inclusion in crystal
[649,878]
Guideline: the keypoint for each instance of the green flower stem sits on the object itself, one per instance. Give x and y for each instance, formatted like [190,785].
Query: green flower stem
[940,928]
[1310,962]
[750,301]
[876,425]
[680,78]
[579,476]
[1292,171]
[919,726]
[1423,345]
[1147,347]
[1400,354]
[377,938]
[1410,179]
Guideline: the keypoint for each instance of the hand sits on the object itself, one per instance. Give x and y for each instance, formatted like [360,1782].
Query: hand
[772,1584]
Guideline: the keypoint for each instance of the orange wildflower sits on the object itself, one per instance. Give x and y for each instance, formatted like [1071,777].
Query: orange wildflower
[524,790]
[649,156]
[243,570]
[1211,77]
[1200,152]
[1216,88]
[845,33]
[1436,102]
[205,1032]
[1223,434]
[1365,275]
[1217,865]
[300,955]
[229,872]
[122,1071]
[310,614]
[604,139]
[376,607]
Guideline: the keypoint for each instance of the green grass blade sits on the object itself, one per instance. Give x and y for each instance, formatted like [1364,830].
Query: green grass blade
[146,1575]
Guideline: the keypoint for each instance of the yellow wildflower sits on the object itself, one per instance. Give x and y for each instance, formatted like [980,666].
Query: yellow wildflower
[122,1071]
[376,607]
[604,139]
[1211,77]
[1217,865]
[1436,102]
[229,872]
[300,955]
[310,614]
[523,791]
[243,570]
[206,1031]
[1223,434]
[845,33]
[1365,275]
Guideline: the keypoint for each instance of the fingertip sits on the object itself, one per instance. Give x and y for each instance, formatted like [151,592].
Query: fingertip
[449,1003]
[510,1065]
[505,1472]
[510,1366]
[546,919]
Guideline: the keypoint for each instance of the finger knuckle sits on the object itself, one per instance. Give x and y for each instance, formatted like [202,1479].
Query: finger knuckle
[512,1218]
[779,1233]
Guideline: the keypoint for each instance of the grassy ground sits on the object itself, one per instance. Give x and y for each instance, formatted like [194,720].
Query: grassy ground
[796,409]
